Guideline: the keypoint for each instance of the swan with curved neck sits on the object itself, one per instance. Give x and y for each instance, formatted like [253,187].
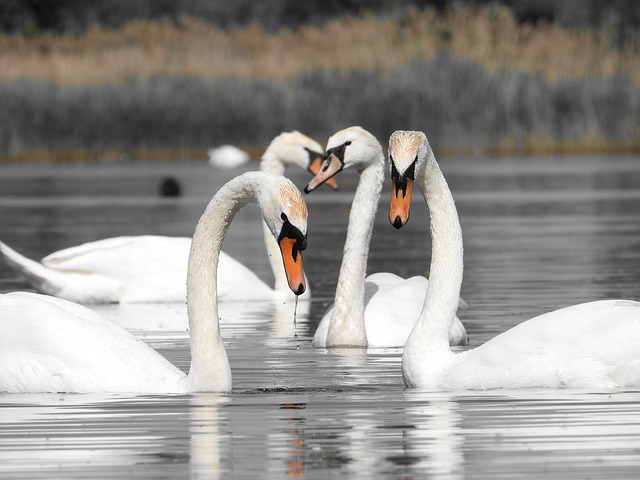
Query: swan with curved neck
[48,344]
[288,148]
[364,312]
[151,268]
[591,345]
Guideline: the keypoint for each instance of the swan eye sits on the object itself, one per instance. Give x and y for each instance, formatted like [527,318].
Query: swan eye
[289,231]
[410,173]
[284,217]
[401,180]
[338,152]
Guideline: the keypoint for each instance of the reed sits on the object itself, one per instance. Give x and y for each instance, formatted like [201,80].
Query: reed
[460,105]
[489,36]
[473,79]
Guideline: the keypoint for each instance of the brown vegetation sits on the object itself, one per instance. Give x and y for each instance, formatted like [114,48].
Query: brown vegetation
[473,79]
[489,36]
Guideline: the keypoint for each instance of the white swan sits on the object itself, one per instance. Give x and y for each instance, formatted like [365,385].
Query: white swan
[48,344]
[152,268]
[365,311]
[591,345]
[227,156]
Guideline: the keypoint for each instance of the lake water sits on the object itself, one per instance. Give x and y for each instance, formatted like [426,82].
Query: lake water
[540,233]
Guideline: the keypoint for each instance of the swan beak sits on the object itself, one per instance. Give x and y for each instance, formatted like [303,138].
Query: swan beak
[292,258]
[314,167]
[330,167]
[400,202]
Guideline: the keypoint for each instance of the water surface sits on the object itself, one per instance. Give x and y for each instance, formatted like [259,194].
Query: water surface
[540,233]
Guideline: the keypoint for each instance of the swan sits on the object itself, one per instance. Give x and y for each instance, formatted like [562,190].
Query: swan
[365,311]
[152,268]
[590,345]
[48,344]
[227,156]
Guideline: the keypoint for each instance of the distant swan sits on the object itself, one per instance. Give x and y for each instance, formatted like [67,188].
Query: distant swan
[48,344]
[227,156]
[152,268]
[381,310]
[591,345]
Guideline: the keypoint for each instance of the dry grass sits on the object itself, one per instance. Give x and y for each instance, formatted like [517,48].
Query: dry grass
[474,80]
[489,36]
[460,105]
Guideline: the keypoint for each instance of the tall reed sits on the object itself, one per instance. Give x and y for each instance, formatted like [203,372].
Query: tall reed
[473,78]
[457,102]
[488,35]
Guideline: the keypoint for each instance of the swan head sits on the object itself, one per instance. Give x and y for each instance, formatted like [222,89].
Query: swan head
[295,148]
[285,213]
[352,147]
[407,154]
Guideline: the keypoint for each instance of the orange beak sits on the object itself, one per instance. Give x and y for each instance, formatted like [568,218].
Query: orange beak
[292,258]
[330,167]
[314,167]
[400,203]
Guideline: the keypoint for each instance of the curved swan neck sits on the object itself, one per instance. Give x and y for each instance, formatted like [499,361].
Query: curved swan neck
[445,275]
[347,327]
[210,369]
[281,285]
[271,162]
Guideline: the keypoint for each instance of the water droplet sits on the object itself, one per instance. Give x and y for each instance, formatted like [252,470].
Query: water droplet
[295,319]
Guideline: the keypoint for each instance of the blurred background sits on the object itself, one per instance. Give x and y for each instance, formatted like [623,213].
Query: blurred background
[138,79]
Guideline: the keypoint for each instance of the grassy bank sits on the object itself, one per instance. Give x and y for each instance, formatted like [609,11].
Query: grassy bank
[473,79]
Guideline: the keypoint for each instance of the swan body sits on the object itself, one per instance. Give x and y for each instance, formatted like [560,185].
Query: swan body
[53,345]
[365,311]
[48,344]
[602,352]
[591,345]
[138,269]
[385,327]
[227,156]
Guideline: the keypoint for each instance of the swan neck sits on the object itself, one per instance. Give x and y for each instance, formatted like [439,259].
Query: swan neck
[347,327]
[445,274]
[210,369]
[281,285]
[271,163]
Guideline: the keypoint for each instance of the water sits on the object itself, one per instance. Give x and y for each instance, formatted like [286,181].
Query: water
[540,233]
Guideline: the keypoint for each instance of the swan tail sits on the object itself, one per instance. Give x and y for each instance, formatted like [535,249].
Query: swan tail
[33,272]
[67,285]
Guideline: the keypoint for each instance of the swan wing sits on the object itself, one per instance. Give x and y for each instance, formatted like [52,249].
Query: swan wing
[137,269]
[236,282]
[121,269]
[392,307]
[590,345]
[48,344]
[74,286]
[142,256]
